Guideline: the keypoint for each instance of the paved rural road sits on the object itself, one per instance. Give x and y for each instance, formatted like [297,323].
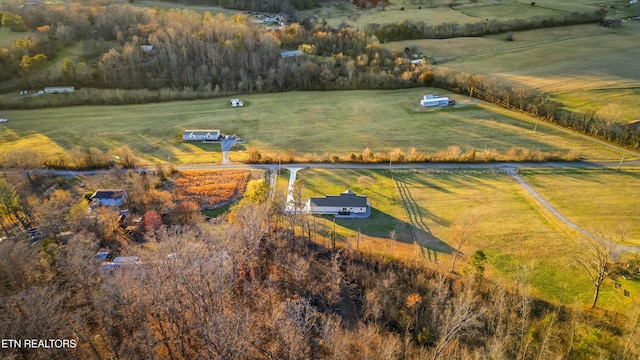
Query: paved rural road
[509,168]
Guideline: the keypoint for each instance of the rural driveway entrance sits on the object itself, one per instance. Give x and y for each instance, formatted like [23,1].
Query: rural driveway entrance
[290,204]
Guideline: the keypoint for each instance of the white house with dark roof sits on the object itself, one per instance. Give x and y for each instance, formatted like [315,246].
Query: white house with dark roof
[347,204]
[201,135]
[109,197]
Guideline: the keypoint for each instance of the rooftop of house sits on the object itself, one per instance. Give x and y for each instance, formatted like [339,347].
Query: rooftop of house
[346,199]
[108,194]
[200,132]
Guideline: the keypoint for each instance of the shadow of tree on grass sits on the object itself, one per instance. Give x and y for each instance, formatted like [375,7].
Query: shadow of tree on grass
[383,225]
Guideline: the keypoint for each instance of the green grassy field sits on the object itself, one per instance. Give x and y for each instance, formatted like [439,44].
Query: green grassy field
[583,78]
[359,19]
[7,37]
[507,10]
[625,101]
[316,125]
[519,237]
[435,12]
[606,201]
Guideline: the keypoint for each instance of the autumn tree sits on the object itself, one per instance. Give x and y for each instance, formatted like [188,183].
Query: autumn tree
[52,213]
[11,209]
[158,200]
[126,158]
[186,213]
[152,221]
[257,191]
[108,223]
[13,21]
[24,160]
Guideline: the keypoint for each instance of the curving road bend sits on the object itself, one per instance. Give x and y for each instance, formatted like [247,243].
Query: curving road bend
[617,249]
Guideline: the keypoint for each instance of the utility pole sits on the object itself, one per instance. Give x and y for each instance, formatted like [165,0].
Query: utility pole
[621,160]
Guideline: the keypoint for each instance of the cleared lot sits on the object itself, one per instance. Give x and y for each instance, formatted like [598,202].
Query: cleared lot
[518,235]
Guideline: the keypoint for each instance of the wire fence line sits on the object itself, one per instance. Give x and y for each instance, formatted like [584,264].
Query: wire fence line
[453,171]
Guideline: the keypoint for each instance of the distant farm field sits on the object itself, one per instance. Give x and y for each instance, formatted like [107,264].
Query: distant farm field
[519,237]
[626,102]
[310,125]
[600,68]
[539,58]
[507,10]
[393,14]
[435,12]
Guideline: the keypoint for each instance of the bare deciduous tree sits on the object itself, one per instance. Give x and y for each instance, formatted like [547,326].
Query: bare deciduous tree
[460,318]
[463,230]
[595,259]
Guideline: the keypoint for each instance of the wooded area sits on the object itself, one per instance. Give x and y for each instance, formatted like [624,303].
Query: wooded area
[253,284]
[257,284]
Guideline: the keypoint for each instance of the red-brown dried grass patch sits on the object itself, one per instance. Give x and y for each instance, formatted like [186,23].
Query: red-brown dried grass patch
[210,188]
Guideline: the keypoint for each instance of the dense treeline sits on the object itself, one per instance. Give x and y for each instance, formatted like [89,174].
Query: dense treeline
[419,30]
[254,286]
[180,54]
[272,6]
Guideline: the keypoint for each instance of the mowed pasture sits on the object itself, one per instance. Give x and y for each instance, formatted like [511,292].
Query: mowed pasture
[436,12]
[603,201]
[574,64]
[507,10]
[313,125]
[624,110]
[520,238]
[359,19]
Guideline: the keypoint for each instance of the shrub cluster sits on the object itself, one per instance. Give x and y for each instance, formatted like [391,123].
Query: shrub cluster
[450,154]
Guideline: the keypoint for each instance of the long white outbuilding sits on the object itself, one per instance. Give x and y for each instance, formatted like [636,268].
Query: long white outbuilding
[433,100]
